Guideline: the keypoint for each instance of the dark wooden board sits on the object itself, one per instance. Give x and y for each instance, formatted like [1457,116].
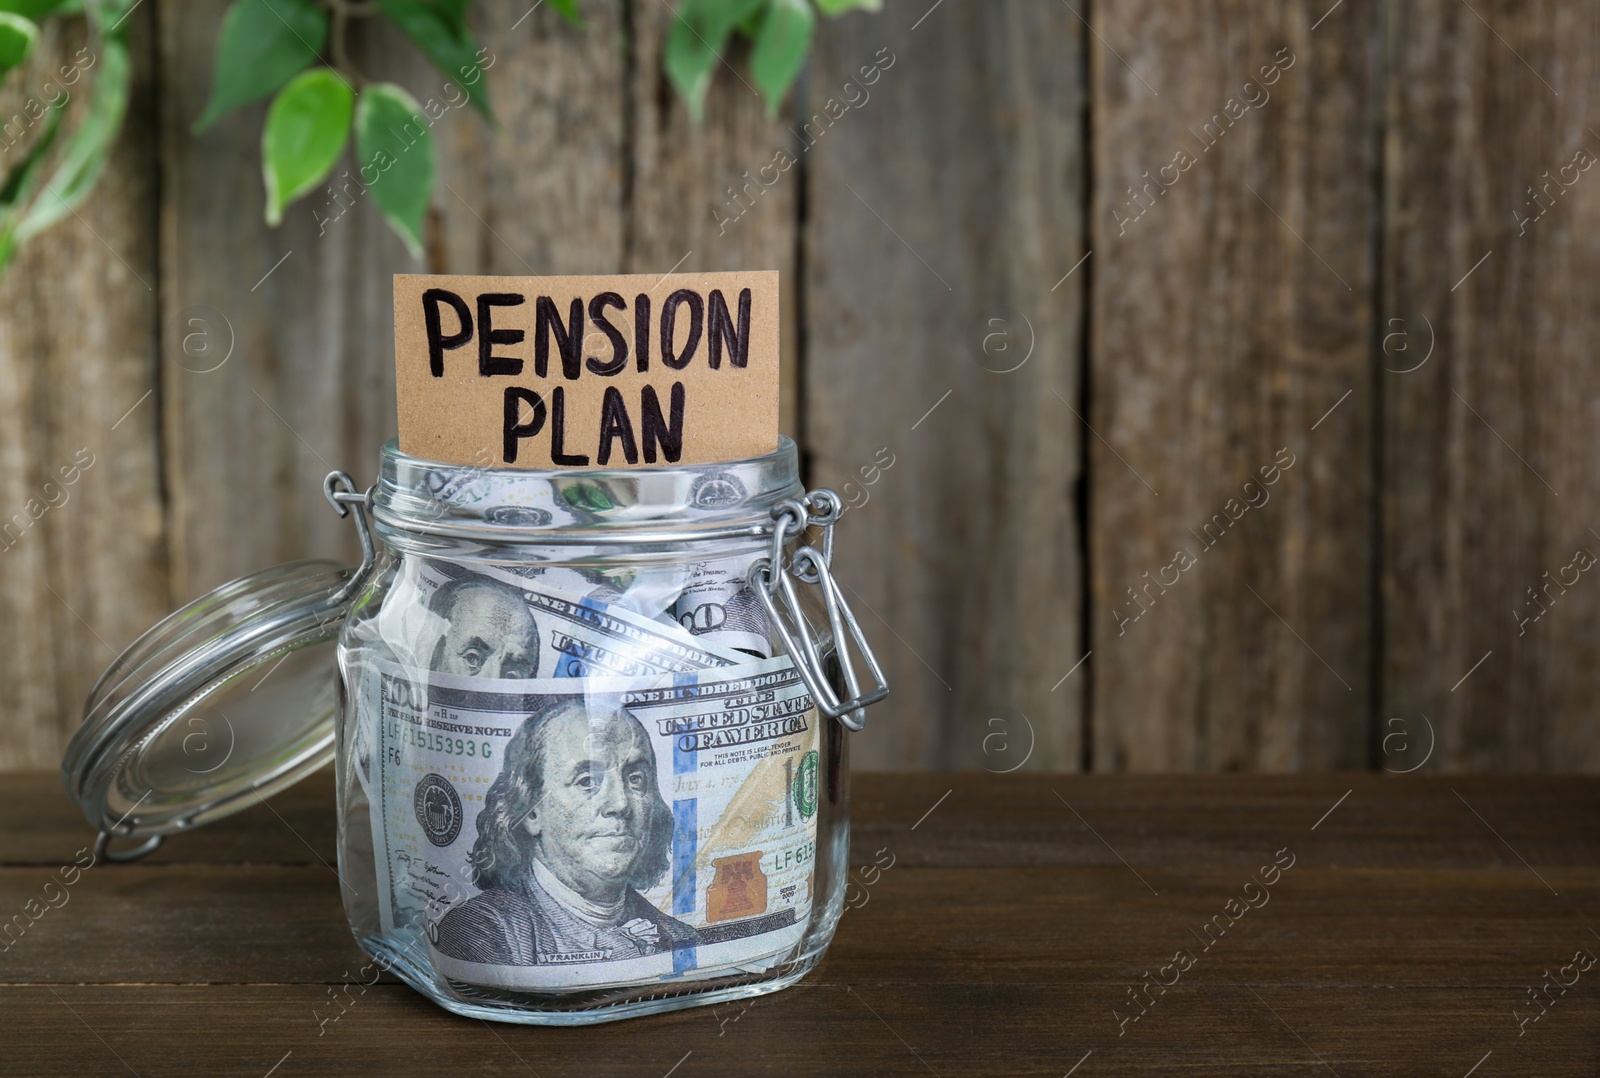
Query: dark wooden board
[1081,925]
[254,898]
[1004,939]
[1167,823]
[1216,1028]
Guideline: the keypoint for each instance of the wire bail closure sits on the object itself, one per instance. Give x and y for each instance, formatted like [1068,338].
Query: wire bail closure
[341,492]
[810,565]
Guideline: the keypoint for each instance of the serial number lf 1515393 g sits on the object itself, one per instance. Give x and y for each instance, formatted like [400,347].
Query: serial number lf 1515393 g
[399,733]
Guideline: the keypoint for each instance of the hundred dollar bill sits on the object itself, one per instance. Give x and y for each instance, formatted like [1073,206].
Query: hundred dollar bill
[718,607]
[646,590]
[488,622]
[562,833]
[482,621]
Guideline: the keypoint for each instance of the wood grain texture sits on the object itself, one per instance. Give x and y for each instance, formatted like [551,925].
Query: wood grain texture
[83,554]
[942,210]
[1489,488]
[861,1029]
[1346,220]
[1178,822]
[304,308]
[698,197]
[1232,310]
[1004,939]
[1099,925]
[546,193]
[295,828]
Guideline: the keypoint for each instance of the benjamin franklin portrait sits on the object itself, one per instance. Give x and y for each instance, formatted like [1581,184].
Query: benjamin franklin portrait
[572,829]
[488,630]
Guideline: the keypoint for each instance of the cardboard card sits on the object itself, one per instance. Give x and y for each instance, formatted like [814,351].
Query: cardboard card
[629,370]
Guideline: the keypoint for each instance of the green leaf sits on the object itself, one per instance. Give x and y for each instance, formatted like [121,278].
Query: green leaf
[263,44]
[306,130]
[568,10]
[29,201]
[454,13]
[8,241]
[21,184]
[780,49]
[839,7]
[84,153]
[450,47]
[723,15]
[108,16]
[18,36]
[31,9]
[689,60]
[695,43]
[395,152]
[750,25]
[22,180]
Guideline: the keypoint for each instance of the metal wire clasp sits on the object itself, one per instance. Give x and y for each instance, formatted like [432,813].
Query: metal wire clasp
[341,492]
[810,565]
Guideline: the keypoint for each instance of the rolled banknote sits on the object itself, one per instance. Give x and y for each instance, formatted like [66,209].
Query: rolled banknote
[718,607]
[501,498]
[507,622]
[533,499]
[489,622]
[645,589]
[561,833]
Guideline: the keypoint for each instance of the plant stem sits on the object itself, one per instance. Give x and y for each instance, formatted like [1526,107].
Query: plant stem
[343,11]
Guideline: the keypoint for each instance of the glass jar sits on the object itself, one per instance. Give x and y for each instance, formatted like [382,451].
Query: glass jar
[590,736]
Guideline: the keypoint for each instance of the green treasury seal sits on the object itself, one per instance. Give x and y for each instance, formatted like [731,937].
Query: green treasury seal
[805,785]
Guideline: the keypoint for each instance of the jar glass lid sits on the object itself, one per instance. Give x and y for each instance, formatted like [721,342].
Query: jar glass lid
[220,705]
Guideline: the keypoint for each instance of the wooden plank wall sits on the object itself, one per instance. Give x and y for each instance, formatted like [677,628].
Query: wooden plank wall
[1061,280]
[925,242]
[83,568]
[1232,299]
[1489,449]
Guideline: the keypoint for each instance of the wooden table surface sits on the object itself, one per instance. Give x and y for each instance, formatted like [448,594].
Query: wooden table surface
[1414,924]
